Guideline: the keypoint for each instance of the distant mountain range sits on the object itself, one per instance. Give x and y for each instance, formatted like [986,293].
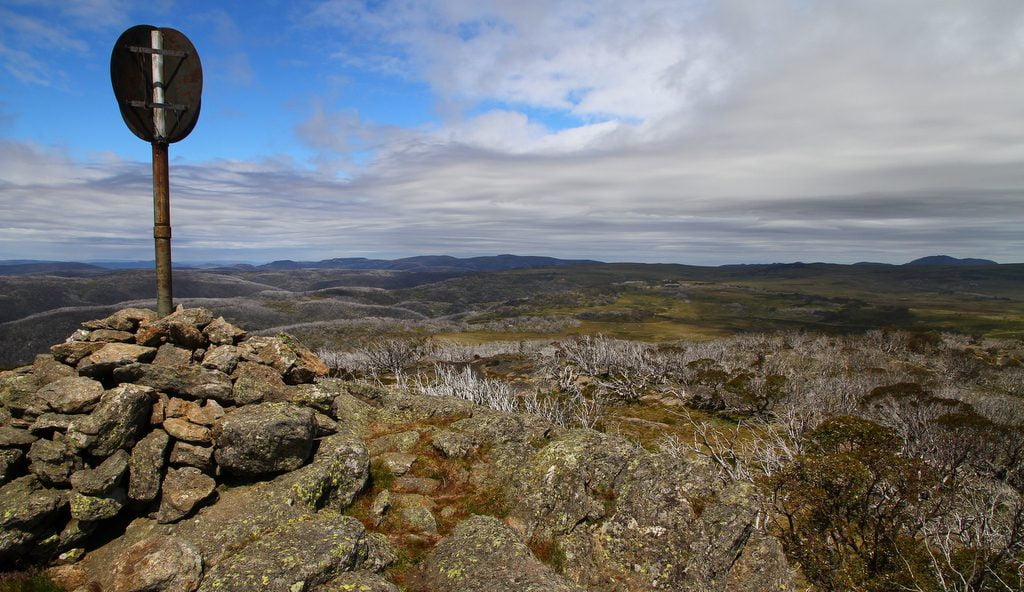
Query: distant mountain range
[424,263]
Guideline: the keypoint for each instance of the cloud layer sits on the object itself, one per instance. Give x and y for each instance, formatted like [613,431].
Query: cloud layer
[649,131]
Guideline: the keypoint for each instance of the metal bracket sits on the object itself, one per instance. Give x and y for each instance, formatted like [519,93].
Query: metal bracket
[148,105]
[167,52]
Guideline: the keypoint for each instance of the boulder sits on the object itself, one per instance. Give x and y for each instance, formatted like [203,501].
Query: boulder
[452,444]
[339,471]
[256,383]
[183,322]
[397,442]
[186,431]
[170,355]
[263,439]
[399,463]
[221,332]
[482,554]
[104,478]
[206,415]
[221,357]
[11,436]
[358,581]
[146,465]
[90,508]
[298,555]
[119,418]
[73,394]
[186,381]
[179,407]
[183,491]
[48,423]
[28,513]
[113,355]
[159,563]
[11,463]
[126,319]
[53,461]
[46,369]
[72,352]
[18,394]
[190,455]
[111,336]
[295,363]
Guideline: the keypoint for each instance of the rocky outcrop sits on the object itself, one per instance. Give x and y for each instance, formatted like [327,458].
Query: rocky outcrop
[235,466]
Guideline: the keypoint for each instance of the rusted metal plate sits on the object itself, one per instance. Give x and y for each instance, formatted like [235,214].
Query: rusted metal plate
[131,74]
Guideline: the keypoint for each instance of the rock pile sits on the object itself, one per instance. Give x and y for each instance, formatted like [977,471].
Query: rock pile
[135,415]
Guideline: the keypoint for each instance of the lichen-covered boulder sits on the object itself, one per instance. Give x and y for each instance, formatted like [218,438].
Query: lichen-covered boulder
[264,439]
[358,581]
[90,508]
[182,492]
[126,319]
[104,478]
[193,382]
[116,422]
[146,465]
[53,461]
[77,394]
[29,512]
[103,361]
[293,361]
[256,383]
[159,563]
[221,332]
[298,555]
[339,471]
[484,555]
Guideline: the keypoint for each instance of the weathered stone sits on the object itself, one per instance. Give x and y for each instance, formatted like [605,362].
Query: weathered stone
[358,581]
[46,369]
[339,471]
[256,383]
[104,478]
[159,410]
[145,467]
[206,415]
[72,352]
[113,355]
[297,556]
[28,513]
[159,563]
[48,423]
[179,407]
[74,533]
[452,444]
[11,461]
[221,332]
[722,532]
[222,357]
[90,508]
[182,429]
[398,442]
[74,394]
[18,394]
[186,335]
[761,566]
[116,422]
[53,461]
[325,426]
[155,332]
[312,395]
[169,355]
[111,336]
[295,363]
[419,518]
[183,491]
[399,463]
[10,436]
[484,555]
[186,381]
[380,506]
[190,455]
[263,439]
[308,368]
[126,319]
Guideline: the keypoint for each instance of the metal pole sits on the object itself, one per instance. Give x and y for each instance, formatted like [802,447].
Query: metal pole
[161,186]
[162,229]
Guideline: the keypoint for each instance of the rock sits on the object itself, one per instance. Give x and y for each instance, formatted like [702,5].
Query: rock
[53,461]
[221,332]
[169,355]
[47,423]
[358,581]
[452,444]
[18,394]
[399,442]
[399,463]
[206,415]
[762,565]
[263,439]
[72,352]
[380,506]
[159,410]
[179,407]
[325,426]
[222,357]
[256,383]
[10,436]
[46,370]
[158,331]
[28,513]
[190,455]
[145,466]
[182,492]
[92,508]
[104,478]
[182,429]
[116,422]
[312,395]
[722,532]
[186,381]
[484,555]
[111,336]
[339,471]
[113,355]
[71,537]
[159,563]
[187,336]
[295,363]
[126,319]
[76,394]
[296,556]
[418,518]
[11,463]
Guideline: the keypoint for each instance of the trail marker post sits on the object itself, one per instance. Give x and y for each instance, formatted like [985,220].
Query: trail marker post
[158,82]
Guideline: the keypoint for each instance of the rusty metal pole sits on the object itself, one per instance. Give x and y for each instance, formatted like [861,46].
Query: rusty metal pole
[162,229]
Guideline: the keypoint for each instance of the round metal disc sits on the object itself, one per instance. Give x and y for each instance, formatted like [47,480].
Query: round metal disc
[131,75]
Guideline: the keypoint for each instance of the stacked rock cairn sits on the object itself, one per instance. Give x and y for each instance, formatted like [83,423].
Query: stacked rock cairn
[139,416]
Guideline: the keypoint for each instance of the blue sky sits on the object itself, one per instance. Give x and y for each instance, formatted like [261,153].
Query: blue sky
[676,131]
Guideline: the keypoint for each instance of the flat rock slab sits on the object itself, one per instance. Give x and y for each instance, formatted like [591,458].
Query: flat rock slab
[399,463]
[159,563]
[74,394]
[296,556]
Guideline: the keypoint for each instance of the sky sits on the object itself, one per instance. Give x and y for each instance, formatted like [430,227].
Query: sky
[680,131]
